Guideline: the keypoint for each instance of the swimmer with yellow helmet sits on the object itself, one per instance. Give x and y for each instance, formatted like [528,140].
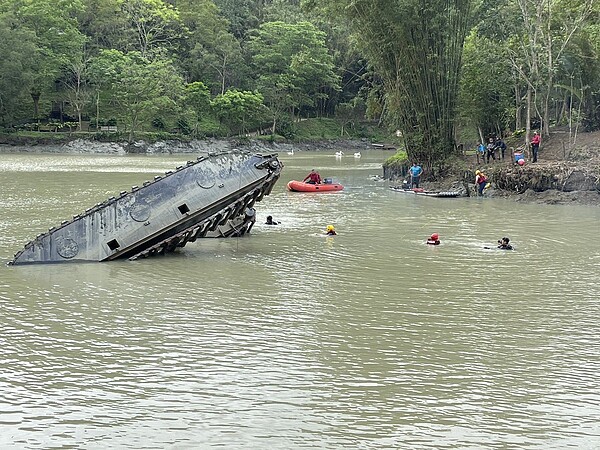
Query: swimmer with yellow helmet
[481,181]
[330,231]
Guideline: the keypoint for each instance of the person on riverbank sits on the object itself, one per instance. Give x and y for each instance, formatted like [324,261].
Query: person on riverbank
[504,244]
[313,177]
[480,152]
[501,147]
[270,221]
[330,231]
[415,175]
[535,146]
[434,239]
[491,150]
[481,181]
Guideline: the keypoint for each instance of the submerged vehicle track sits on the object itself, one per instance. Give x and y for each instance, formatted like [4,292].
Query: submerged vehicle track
[216,190]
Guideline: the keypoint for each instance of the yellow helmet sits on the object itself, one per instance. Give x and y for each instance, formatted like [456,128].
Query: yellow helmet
[330,228]
[477,172]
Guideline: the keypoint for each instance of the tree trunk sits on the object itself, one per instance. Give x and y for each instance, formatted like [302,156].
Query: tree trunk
[35,95]
[545,131]
[97,110]
[528,118]
[518,109]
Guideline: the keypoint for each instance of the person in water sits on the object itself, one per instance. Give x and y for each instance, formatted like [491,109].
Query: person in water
[504,244]
[270,221]
[313,177]
[434,239]
[330,231]
[481,181]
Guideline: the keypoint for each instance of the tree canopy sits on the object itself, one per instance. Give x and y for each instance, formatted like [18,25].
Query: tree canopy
[440,71]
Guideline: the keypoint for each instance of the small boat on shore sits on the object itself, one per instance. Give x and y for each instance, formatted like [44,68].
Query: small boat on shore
[440,194]
[421,191]
[299,186]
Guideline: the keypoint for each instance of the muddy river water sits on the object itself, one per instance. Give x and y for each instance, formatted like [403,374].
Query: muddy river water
[290,339]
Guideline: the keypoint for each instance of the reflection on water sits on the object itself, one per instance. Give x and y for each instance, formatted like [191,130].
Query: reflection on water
[290,339]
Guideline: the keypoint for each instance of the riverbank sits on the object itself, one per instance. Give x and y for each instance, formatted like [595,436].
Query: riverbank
[87,146]
[557,178]
[563,174]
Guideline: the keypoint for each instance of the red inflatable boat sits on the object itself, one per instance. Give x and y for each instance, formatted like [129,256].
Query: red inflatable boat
[299,186]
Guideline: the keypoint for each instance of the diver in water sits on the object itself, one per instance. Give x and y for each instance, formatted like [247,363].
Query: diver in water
[330,231]
[434,239]
[504,244]
[270,221]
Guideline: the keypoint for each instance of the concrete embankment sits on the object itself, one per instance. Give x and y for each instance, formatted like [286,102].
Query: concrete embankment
[83,146]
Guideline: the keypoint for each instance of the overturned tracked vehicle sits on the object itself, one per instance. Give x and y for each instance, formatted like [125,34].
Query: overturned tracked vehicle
[211,196]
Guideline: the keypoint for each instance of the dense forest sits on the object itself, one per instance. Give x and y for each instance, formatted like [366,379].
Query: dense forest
[436,70]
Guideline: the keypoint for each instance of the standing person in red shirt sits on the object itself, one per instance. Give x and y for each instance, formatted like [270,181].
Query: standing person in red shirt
[535,146]
[313,177]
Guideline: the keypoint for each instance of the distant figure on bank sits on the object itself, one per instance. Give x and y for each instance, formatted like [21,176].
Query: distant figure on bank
[504,244]
[270,221]
[535,146]
[434,239]
[330,231]
[481,181]
[415,175]
[500,145]
[481,152]
[491,150]
[313,177]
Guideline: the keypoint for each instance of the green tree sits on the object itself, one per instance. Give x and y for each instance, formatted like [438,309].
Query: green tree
[537,42]
[416,48]
[76,87]
[138,87]
[213,55]
[54,23]
[155,23]
[106,27]
[239,110]
[293,65]
[485,96]
[242,15]
[197,99]
[282,11]
[20,55]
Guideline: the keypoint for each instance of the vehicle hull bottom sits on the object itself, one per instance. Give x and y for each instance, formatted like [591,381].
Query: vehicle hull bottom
[206,196]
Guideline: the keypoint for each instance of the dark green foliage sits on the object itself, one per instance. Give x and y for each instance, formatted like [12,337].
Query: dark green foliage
[486,92]
[286,127]
[415,47]
[396,62]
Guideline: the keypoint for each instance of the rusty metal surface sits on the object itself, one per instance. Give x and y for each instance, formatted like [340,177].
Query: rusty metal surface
[162,215]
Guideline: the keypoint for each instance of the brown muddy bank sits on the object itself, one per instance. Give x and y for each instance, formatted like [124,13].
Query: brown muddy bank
[551,182]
